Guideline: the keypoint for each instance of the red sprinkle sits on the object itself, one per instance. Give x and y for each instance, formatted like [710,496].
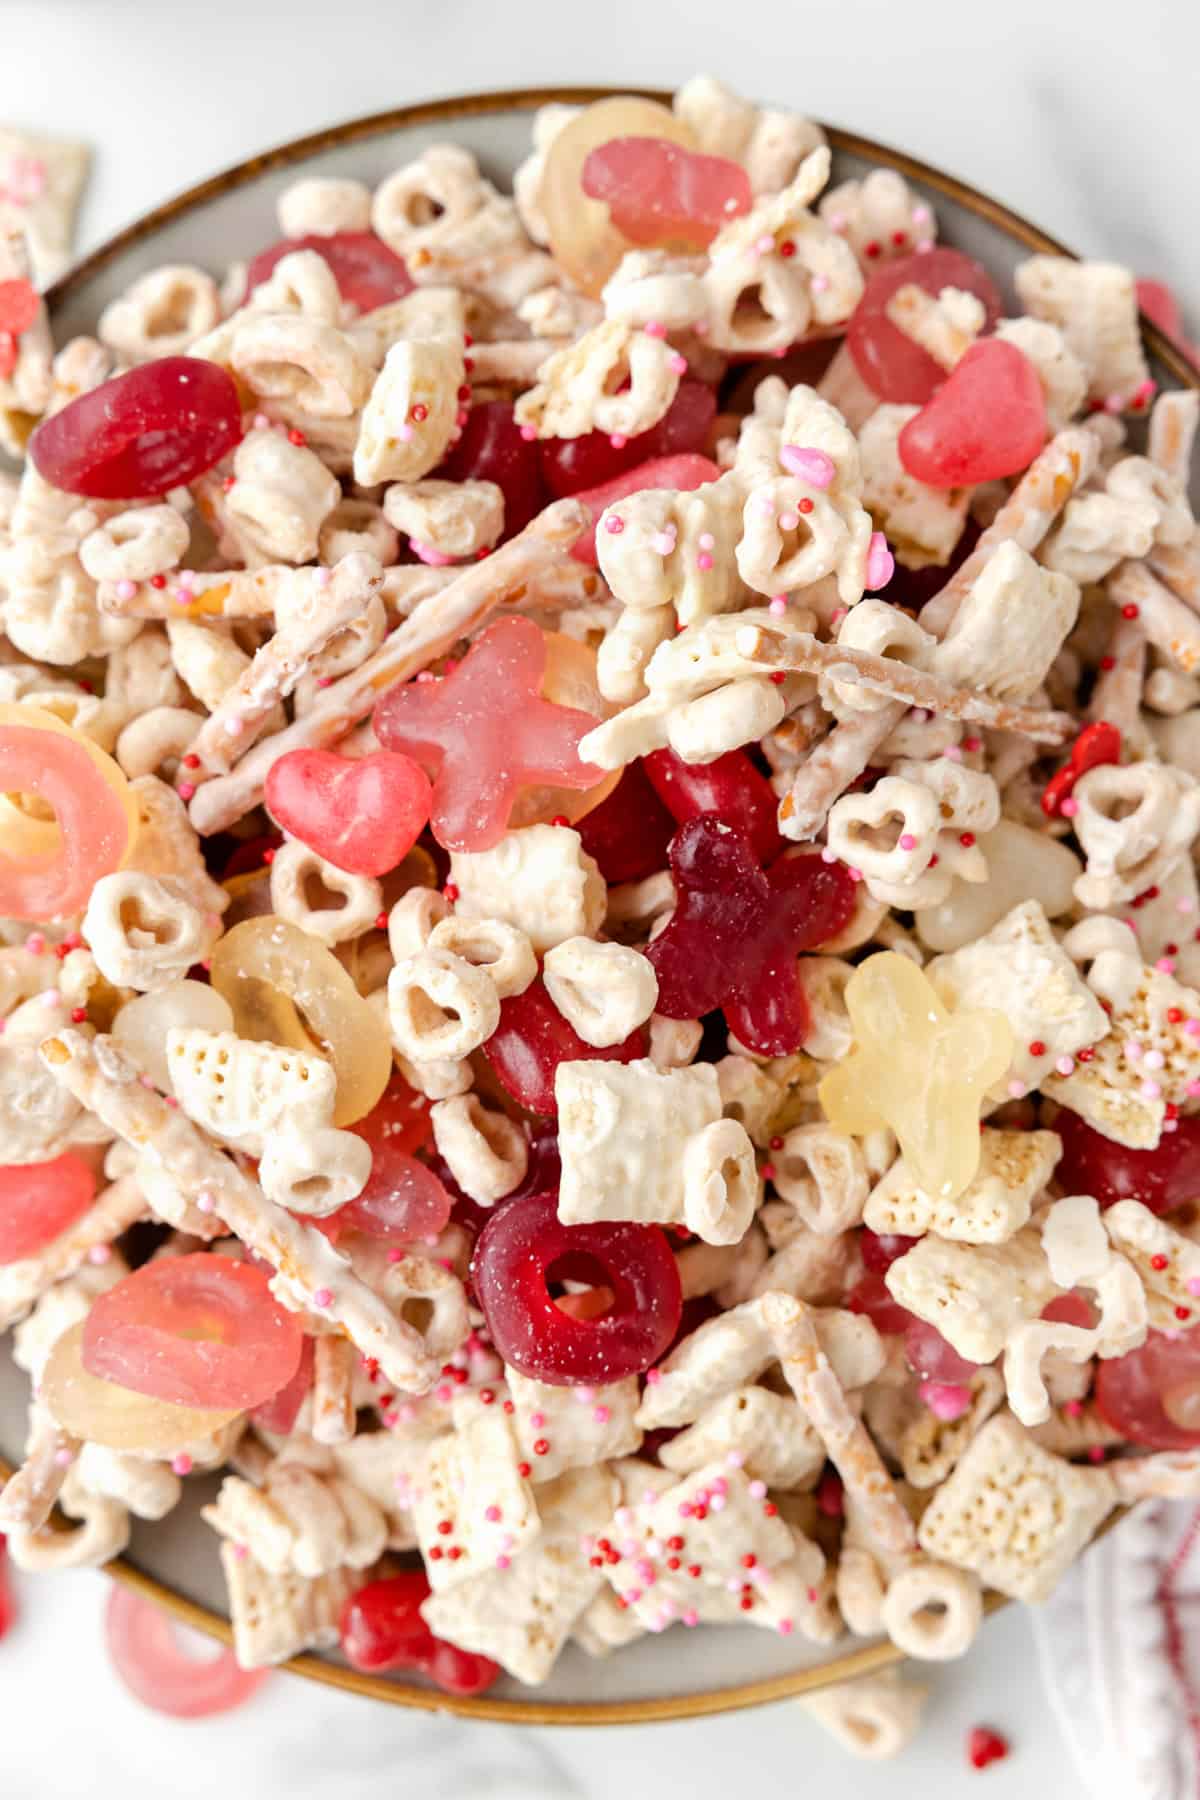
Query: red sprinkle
[985,1746]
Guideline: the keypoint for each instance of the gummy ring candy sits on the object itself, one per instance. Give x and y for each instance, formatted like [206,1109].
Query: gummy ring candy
[142,433]
[104,1412]
[382,1628]
[157,1670]
[286,988]
[198,1330]
[48,867]
[524,1245]
[39,1200]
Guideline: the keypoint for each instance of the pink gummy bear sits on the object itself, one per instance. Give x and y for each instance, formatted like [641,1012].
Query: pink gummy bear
[662,193]
[361,814]
[987,421]
[485,732]
[733,939]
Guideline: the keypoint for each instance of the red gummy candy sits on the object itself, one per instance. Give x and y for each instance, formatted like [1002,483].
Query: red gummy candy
[1152,1395]
[628,833]
[985,1746]
[881,1249]
[684,473]
[199,1330]
[734,937]
[872,1297]
[404,1200]
[39,1200]
[362,814]
[572,465]
[19,307]
[731,787]
[930,1356]
[524,1246]
[925,1349]
[1162,1179]
[491,448]
[135,437]
[531,1040]
[986,421]
[147,1655]
[660,193]
[382,1628]
[367,273]
[891,364]
[1096,744]
[280,1412]
[486,732]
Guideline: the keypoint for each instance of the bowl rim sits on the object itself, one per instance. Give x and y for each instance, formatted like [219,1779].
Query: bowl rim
[868,1659]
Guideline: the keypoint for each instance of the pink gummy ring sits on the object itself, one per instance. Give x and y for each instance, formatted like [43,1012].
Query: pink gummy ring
[142,433]
[158,1671]
[195,1330]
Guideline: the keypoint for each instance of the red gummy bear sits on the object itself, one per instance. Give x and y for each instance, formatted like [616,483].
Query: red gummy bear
[486,732]
[362,814]
[988,420]
[382,1628]
[735,934]
[663,193]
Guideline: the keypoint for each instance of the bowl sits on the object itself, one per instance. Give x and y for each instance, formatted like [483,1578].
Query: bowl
[686,1674]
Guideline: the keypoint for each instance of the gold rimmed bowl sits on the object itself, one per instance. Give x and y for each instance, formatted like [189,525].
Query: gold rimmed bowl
[680,1674]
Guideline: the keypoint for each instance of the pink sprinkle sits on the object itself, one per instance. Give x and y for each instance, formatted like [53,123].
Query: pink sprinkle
[53,998]
[828,855]
[653,1377]
[1192,1028]
[1165,965]
[854,874]
[881,564]
[952,753]
[492,1514]
[1152,1090]
[778,606]
[837,221]
[126,590]
[1153,1059]
[503,1562]
[1069,808]
[663,542]
[765,505]
[1065,1065]
[765,244]
[405,433]
[186,789]
[720,1485]
[735,1460]
[323,1297]
[435,559]
[261,422]
[537,1420]
[99,1254]
[758,1490]
[819,283]
[654,328]
[181,1464]
[395,1254]
[812,466]
[1073,1408]
[614,523]
[1185,906]
[946,1400]
[1192,1089]
[206,1201]
[618,440]
[717,1503]
[444,1394]
[789,520]
[907,841]
[528,433]
[1134,1051]
[35,943]
[1193,1286]
[684,1509]
[704,562]
[602,1415]
[64,1458]
[677,363]
[706,540]
[1016,1090]
[690,1617]
[645,1571]
[785,1627]
[1096,1453]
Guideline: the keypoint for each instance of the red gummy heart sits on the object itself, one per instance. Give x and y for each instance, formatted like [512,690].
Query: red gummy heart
[988,420]
[361,814]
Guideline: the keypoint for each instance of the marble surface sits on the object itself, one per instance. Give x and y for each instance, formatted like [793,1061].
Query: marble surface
[1075,115]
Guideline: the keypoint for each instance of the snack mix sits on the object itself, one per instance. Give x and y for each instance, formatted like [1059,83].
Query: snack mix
[601,942]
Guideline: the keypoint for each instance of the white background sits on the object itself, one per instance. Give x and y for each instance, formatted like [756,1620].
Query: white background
[1081,113]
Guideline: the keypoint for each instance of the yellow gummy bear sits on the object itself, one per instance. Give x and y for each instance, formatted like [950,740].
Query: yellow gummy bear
[918,1068]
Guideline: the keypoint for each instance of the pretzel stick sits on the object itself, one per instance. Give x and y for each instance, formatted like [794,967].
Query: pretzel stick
[1026,516]
[1117,695]
[802,654]
[810,1376]
[1169,625]
[835,764]
[22,1284]
[104,1080]
[333,1414]
[307,618]
[1179,566]
[1173,433]
[27,1500]
[506,578]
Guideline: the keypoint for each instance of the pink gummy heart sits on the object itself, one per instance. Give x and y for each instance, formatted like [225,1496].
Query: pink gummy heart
[986,421]
[662,193]
[361,814]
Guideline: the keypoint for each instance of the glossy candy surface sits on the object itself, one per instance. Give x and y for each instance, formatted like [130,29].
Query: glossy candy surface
[889,361]
[48,866]
[40,1200]
[286,988]
[279,1413]
[485,732]
[684,473]
[198,1330]
[403,1200]
[531,1040]
[1162,1179]
[363,814]
[925,1349]
[523,1246]
[917,1068]
[735,934]
[583,237]
[986,421]
[491,448]
[19,306]
[106,1413]
[730,786]
[1152,1395]
[156,427]
[628,833]
[1096,744]
[150,1659]
[367,273]
[575,465]
[660,194]
[382,1628]
[570,681]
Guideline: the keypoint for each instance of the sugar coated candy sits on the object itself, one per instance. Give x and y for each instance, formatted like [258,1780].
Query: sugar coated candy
[986,421]
[362,814]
